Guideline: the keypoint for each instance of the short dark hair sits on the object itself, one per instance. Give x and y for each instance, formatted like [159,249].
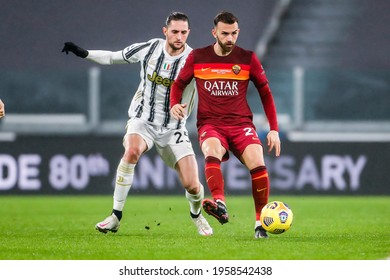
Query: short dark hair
[177,16]
[225,17]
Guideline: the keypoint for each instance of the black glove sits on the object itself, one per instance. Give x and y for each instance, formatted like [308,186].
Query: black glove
[70,47]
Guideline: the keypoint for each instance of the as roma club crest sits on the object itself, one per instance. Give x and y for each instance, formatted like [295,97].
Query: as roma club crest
[236,69]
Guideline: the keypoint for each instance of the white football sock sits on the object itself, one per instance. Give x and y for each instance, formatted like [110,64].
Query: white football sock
[195,200]
[124,180]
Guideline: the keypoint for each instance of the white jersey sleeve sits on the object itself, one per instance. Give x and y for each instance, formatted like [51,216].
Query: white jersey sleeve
[106,57]
[189,95]
[138,51]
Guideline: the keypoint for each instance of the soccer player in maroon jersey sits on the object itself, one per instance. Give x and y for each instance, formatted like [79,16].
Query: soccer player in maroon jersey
[224,119]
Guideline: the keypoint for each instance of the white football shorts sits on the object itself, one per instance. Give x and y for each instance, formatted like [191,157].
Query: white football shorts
[171,144]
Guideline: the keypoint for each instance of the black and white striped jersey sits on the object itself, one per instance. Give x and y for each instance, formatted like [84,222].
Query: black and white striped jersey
[158,71]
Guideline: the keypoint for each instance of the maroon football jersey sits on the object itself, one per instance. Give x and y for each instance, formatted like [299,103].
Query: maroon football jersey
[222,83]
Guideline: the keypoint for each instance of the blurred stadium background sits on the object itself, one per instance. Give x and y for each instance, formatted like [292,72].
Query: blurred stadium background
[327,62]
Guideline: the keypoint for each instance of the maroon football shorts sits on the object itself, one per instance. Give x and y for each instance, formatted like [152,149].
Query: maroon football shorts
[233,138]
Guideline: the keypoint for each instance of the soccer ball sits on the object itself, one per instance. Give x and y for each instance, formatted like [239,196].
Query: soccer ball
[276,217]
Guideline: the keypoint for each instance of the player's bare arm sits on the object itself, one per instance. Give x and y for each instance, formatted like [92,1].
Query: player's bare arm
[178,111]
[274,142]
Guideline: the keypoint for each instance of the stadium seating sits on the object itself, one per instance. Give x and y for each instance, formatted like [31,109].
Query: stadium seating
[340,44]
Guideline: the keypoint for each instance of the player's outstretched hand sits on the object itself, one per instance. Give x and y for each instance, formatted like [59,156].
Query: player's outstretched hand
[2,109]
[71,47]
[274,142]
[178,111]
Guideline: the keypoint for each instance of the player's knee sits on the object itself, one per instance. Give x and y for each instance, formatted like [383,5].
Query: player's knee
[192,186]
[132,154]
[217,151]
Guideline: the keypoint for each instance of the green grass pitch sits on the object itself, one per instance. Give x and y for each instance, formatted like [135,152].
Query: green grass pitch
[159,228]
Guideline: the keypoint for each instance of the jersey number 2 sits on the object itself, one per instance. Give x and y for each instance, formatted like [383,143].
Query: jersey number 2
[180,137]
[249,131]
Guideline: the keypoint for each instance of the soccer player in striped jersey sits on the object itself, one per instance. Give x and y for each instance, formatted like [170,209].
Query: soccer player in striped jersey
[150,123]
[224,118]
